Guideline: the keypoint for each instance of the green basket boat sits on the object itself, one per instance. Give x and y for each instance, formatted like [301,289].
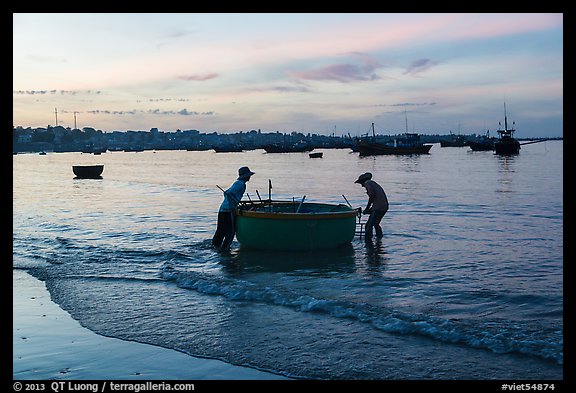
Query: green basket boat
[294,226]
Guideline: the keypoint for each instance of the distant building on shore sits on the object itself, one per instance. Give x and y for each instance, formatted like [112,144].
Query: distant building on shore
[88,139]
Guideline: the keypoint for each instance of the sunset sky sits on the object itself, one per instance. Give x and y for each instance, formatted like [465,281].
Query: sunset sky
[318,73]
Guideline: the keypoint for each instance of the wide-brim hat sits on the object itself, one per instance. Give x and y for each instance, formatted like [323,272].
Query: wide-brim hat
[363,177]
[244,173]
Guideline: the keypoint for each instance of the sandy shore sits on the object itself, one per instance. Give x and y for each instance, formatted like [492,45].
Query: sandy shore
[49,344]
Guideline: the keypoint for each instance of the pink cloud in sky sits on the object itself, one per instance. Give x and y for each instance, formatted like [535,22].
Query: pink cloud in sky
[344,73]
[405,29]
[338,72]
[327,40]
[201,78]
[420,65]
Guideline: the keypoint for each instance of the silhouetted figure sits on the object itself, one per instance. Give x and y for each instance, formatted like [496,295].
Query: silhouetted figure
[377,205]
[226,230]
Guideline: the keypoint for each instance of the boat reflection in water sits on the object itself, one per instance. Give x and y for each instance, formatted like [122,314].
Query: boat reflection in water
[341,259]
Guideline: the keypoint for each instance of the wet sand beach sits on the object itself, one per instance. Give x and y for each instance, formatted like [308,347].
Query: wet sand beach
[49,344]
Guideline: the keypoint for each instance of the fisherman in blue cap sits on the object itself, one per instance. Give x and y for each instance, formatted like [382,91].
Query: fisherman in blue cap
[226,230]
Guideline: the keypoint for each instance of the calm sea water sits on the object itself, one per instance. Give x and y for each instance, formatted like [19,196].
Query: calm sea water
[467,282]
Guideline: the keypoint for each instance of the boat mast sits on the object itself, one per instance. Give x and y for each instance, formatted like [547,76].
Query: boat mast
[406,118]
[373,133]
[505,118]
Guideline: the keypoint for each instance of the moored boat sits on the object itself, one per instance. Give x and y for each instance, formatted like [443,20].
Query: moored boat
[482,143]
[88,171]
[408,143]
[294,226]
[298,147]
[506,143]
[454,141]
[228,149]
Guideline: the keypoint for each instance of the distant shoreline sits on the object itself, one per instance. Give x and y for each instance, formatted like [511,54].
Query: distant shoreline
[89,140]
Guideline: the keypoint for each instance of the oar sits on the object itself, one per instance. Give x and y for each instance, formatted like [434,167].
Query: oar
[262,203]
[251,203]
[270,193]
[230,195]
[347,201]
[359,215]
[301,202]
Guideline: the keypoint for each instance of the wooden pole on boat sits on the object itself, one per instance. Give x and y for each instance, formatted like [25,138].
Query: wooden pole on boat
[347,201]
[257,193]
[270,193]
[301,202]
[359,216]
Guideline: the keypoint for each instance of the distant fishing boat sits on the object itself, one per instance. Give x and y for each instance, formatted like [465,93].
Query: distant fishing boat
[408,143]
[403,145]
[506,143]
[454,141]
[294,226]
[88,171]
[298,147]
[228,148]
[482,143]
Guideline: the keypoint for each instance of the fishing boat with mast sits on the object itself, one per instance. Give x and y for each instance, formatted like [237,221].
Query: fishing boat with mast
[408,143]
[506,143]
[454,141]
[482,143]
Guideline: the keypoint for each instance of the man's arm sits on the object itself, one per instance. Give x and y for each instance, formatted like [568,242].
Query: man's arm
[369,205]
[370,198]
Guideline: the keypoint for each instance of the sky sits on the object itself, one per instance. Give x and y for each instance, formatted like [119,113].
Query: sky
[312,73]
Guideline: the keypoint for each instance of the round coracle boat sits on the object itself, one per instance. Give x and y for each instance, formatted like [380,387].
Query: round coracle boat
[294,226]
[88,171]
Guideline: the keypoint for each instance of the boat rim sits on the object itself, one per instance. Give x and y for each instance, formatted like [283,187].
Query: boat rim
[243,212]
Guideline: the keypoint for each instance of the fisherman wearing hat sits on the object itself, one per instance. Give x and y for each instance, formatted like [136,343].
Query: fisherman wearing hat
[225,230]
[377,205]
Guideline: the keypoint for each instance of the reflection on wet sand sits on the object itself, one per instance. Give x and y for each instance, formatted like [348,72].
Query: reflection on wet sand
[375,258]
[251,260]
[360,255]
